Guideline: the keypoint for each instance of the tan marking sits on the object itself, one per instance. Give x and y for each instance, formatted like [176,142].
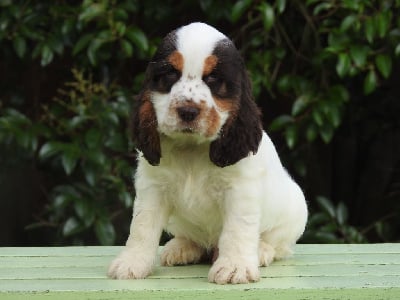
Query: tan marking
[148,122]
[213,123]
[227,105]
[146,111]
[209,64]
[176,60]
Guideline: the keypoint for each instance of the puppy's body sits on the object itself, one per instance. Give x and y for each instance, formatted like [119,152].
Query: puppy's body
[207,173]
[197,193]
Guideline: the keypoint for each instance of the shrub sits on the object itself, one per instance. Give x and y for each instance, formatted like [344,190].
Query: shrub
[70,71]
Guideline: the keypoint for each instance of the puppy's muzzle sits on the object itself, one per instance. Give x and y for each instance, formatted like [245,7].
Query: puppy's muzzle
[188,113]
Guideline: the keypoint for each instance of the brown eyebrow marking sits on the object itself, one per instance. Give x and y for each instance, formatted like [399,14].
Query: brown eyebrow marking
[209,64]
[176,60]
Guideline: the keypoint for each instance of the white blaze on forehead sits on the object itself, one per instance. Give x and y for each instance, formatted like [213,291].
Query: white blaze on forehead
[196,42]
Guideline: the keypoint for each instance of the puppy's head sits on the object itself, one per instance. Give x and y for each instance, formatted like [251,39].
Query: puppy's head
[197,90]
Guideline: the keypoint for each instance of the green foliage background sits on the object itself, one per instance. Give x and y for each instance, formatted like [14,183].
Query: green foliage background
[325,74]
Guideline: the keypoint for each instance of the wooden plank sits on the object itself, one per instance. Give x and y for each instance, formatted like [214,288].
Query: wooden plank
[245,294]
[201,271]
[308,249]
[314,272]
[200,284]
[297,259]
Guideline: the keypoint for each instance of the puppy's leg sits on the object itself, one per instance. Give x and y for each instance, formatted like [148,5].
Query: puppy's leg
[181,251]
[238,259]
[137,258]
[277,243]
[266,253]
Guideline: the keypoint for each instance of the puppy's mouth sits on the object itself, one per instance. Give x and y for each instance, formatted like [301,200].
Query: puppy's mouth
[189,130]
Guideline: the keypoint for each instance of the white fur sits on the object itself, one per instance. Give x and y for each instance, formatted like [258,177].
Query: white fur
[252,211]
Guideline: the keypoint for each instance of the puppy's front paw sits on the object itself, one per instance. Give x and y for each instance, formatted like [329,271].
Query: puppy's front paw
[226,270]
[130,265]
[180,251]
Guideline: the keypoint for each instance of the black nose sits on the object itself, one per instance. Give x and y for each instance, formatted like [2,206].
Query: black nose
[188,113]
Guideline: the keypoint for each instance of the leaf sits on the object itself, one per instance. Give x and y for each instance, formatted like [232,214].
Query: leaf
[326,206]
[267,15]
[348,22]
[76,121]
[338,42]
[326,237]
[384,64]
[397,50]
[105,232]
[138,38]
[91,11]
[333,115]
[85,211]
[383,22]
[326,133]
[317,219]
[369,29]
[341,213]
[19,44]
[300,105]
[49,149]
[82,43]
[96,157]
[91,51]
[343,65]
[47,56]
[238,9]
[120,27]
[311,132]
[359,54]
[60,201]
[121,14]
[69,160]
[291,136]
[126,199]
[280,122]
[284,83]
[90,174]
[370,82]
[317,116]
[127,47]
[281,5]
[321,7]
[71,227]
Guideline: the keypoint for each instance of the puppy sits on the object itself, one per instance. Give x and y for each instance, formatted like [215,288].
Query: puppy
[207,173]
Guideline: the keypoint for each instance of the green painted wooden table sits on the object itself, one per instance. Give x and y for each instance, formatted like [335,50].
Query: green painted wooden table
[314,272]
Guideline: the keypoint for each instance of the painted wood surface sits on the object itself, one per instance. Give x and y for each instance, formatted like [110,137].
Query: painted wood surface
[314,272]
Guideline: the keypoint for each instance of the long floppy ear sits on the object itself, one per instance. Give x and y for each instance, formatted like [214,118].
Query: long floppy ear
[144,125]
[241,134]
[144,118]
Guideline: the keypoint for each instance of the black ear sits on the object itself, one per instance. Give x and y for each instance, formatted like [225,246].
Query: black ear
[144,119]
[144,128]
[242,133]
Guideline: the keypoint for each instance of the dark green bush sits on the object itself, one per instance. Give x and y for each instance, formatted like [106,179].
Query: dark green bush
[323,72]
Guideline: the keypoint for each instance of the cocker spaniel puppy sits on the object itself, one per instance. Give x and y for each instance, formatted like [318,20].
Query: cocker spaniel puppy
[207,172]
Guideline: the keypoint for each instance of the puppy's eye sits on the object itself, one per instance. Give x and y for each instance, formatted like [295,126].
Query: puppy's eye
[211,79]
[171,76]
[165,80]
[216,84]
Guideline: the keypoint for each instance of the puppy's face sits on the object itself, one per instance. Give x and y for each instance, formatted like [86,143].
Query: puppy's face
[196,88]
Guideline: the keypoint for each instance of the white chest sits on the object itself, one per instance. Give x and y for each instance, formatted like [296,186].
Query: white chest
[196,197]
